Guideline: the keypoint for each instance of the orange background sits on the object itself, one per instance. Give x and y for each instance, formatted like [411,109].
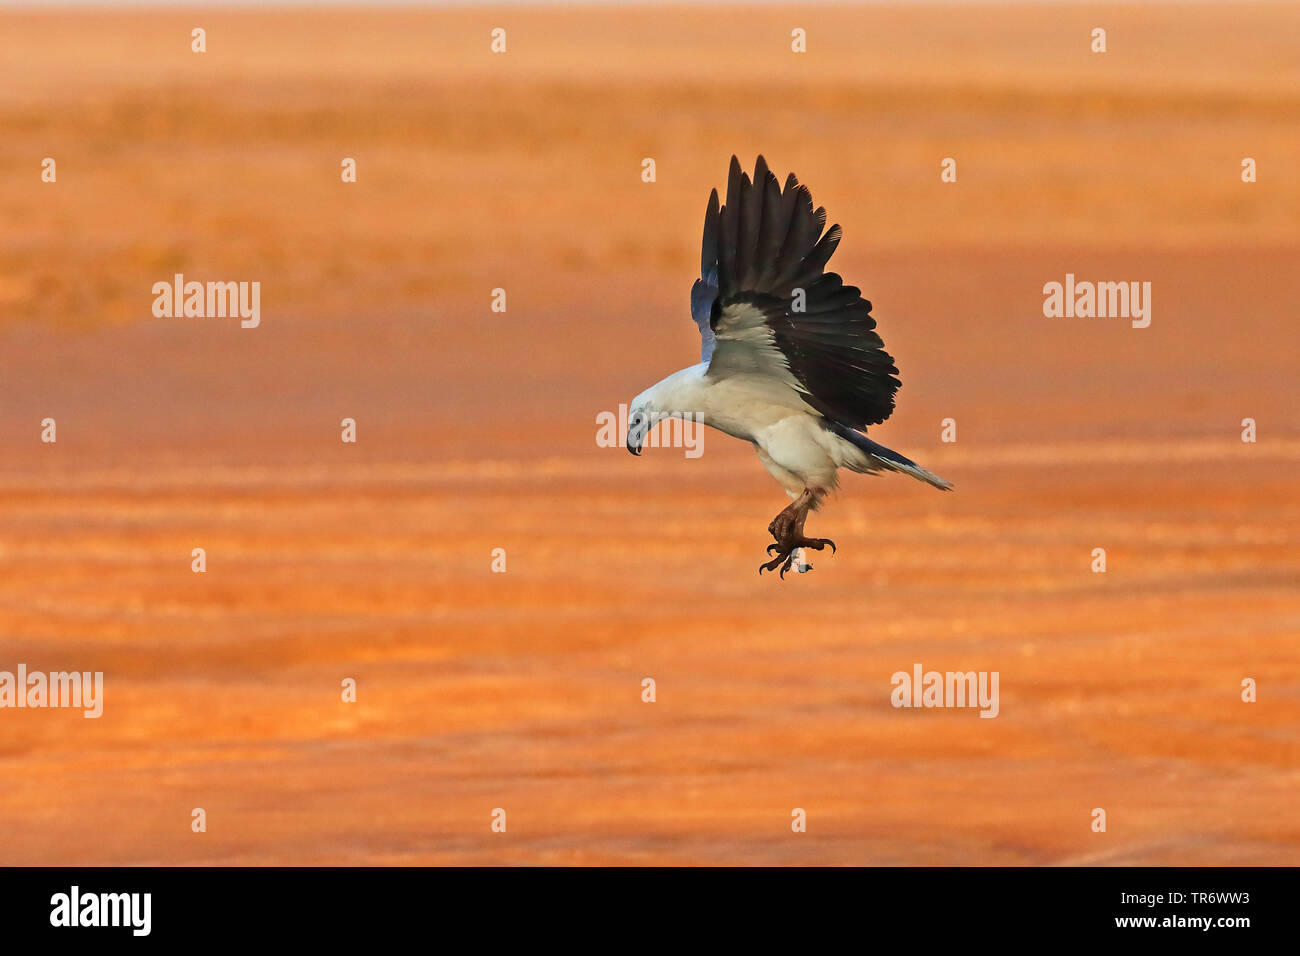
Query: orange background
[476,431]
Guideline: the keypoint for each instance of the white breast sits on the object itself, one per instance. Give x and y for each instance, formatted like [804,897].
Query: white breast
[786,431]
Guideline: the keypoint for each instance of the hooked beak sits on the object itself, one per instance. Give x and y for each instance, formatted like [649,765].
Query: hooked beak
[635,435]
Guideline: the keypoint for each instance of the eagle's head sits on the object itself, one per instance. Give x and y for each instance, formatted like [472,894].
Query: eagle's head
[640,418]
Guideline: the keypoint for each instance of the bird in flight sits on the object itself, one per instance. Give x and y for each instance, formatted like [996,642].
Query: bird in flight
[790,360]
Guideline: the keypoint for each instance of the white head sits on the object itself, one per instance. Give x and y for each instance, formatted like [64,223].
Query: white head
[642,415]
[680,394]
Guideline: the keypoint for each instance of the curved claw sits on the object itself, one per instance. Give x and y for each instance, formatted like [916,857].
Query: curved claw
[785,553]
[817,544]
[782,560]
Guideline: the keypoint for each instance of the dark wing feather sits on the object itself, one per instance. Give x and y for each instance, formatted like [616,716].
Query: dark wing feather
[729,227]
[705,291]
[772,230]
[760,249]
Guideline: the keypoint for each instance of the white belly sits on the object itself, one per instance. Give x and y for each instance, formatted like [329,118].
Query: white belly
[796,452]
[791,443]
[787,433]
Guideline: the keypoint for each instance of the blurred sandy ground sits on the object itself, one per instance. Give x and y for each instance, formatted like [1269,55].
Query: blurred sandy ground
[521,690]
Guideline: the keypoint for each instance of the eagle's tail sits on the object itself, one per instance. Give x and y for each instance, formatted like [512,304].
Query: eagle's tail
[876,457]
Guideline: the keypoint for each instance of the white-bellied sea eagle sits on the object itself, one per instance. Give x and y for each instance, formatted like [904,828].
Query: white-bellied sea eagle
[790,360]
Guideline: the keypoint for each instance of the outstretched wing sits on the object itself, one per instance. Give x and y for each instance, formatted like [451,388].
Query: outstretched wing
[765,305]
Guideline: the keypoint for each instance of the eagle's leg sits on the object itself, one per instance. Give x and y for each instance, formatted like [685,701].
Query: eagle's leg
[787,529]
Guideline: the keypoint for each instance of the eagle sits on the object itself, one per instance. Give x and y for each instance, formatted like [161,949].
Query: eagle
[790,360]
